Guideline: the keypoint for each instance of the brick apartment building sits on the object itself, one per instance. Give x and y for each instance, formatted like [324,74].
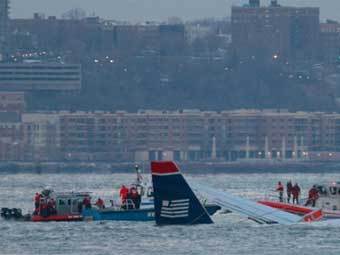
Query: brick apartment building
[330,42]
[180,135]
[10,136]
[285,33]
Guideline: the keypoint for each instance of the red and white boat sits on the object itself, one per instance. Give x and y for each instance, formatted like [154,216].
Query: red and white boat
[328,201]
[67,207]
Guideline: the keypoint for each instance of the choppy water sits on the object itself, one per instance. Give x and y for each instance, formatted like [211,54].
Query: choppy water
[229,235]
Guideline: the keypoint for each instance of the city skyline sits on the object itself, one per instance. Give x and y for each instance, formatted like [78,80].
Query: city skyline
[137,11]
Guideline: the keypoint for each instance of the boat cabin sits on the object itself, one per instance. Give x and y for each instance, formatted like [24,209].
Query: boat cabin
[67,203]
[329,196]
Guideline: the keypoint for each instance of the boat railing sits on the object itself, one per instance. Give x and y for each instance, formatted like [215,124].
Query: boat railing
[128,204]
[274,196]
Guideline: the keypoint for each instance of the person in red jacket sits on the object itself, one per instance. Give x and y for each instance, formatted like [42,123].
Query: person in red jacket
[296,193]
[87,202]
[313,195]
[280,189]
[37,198]
[135,197]
[123,193]
[100,203]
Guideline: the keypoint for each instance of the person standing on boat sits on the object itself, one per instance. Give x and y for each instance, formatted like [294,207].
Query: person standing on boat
[123,193]
[289,190]
[37,200]
[135,197]
[100,203]
[44,208]
[87,202]
[313,195]
[54,206]
[280,190]
[296,193]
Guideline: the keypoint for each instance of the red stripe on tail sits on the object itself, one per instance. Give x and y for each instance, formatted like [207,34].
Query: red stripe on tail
[164,167]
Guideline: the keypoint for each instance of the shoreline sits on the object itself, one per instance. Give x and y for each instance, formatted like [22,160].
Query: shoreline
[186,167]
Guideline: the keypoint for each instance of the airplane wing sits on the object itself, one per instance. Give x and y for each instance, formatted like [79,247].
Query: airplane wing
[257,212]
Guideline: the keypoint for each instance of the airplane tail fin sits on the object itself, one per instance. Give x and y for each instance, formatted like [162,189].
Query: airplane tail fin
[175,202]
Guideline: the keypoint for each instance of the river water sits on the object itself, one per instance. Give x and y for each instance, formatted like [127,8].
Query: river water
[230,234]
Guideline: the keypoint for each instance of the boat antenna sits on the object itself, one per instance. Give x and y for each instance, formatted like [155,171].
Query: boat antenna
[139,174]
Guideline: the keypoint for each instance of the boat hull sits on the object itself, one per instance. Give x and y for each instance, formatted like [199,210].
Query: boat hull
[119,215]
[38,218]
[130,215]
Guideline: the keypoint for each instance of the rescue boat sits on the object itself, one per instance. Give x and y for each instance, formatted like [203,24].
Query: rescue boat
[67,207]
[328,201]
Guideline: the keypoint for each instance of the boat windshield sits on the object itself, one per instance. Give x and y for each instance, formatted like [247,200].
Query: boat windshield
[322,190]
[333,190]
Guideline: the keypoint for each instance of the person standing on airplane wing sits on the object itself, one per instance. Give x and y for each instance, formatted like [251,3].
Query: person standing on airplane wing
[280,189]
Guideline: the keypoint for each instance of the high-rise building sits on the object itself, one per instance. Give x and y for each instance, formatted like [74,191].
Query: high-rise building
[4,17]
[330,42]
[285,33]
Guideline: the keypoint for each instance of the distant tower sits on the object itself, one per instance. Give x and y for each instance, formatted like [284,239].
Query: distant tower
[213,149]
[4,22]
[254,3]
[283,151]
[247,147]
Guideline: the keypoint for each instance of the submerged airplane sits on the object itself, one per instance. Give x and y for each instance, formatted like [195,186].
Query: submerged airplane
[176,203]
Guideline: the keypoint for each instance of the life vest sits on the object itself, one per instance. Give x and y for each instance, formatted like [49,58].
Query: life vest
[313,194]
[100,202]
[296,191]
[279,187]
[123,192]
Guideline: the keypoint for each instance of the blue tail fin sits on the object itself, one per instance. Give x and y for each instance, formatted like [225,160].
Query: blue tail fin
[175,202]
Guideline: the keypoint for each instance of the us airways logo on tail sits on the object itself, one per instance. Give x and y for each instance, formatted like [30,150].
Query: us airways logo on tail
[175,208]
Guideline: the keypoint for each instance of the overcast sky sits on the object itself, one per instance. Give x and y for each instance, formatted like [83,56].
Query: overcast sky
[144,10]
